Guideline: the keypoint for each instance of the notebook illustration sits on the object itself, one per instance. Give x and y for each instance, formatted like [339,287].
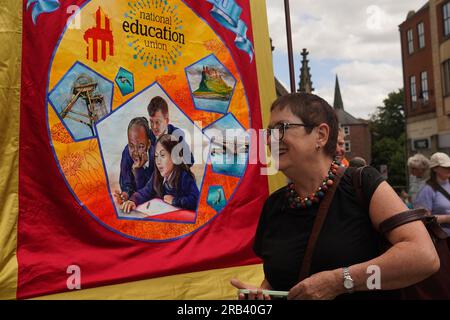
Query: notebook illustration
[155,207]
[158,210]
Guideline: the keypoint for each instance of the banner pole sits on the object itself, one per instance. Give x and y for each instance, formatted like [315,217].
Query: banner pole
[289,43]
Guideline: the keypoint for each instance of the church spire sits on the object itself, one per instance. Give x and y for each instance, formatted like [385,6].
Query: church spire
[338,103]
[305,84]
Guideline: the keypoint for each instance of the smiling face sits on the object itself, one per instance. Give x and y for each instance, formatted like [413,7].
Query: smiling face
[340,147]
[297,147]
[159,123]
[138,142]
[163,161]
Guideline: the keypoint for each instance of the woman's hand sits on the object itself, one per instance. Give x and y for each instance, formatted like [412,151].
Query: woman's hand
[128,206]
[255,293]
[168,199]
[120,197]
[443,219]
[325,285]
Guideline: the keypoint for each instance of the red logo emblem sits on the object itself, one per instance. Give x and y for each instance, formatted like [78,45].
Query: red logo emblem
[99,38]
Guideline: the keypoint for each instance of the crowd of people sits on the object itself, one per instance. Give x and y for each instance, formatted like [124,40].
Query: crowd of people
[429,185]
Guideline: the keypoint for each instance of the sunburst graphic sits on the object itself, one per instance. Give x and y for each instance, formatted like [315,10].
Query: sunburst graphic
[149,49]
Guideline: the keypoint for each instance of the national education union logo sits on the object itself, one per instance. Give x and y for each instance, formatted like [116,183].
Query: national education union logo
[154,32]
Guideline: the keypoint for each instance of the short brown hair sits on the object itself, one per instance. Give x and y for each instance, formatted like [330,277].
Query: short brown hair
[313,111]
[158,104]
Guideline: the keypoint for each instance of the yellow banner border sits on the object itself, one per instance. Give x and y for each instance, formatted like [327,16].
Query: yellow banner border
[10,69]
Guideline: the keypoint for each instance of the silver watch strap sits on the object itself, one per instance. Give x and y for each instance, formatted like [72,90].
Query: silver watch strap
[347,276]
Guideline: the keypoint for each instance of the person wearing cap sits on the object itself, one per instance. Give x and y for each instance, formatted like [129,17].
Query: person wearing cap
[435,195]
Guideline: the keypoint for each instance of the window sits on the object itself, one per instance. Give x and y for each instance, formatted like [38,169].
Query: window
[446,74]
[421,33]
[410,41]
[348,146]
[424,83]
[446,16]
[346,131]
[412,85]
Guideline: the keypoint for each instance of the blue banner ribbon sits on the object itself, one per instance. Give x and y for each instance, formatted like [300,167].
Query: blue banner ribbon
[42,6]
[228,13]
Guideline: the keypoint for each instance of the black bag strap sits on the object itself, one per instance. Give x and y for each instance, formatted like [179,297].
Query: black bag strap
[317,227]
[443,191]
[357,186]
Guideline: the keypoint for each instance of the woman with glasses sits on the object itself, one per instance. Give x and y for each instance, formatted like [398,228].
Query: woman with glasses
[303,134]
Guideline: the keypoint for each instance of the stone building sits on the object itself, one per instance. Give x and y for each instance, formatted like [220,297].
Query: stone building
[358,141]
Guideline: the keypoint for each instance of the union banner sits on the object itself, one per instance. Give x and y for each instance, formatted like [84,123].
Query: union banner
[108,90]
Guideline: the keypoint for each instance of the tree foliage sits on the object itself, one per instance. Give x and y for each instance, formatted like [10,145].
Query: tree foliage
[389,137]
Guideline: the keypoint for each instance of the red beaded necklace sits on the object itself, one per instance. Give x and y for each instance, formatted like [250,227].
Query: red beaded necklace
[297,202]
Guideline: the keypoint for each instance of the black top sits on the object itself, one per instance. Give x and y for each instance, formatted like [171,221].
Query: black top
[347,236]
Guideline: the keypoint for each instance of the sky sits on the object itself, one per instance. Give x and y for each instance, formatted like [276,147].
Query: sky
[358,40]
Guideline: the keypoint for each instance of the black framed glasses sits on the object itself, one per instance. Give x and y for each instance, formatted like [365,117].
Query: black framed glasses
[278,130]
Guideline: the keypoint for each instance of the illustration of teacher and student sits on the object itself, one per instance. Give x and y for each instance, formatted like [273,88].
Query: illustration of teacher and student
[152,167]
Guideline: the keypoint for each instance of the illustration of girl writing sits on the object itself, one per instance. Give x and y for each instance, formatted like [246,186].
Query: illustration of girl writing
[174,183]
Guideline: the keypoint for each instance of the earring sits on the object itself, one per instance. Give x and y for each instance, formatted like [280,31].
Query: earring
[317,147]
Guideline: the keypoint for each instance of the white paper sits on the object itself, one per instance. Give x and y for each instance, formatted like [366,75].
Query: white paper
[155,207]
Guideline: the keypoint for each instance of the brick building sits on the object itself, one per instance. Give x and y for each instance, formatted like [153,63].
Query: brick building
[425,36]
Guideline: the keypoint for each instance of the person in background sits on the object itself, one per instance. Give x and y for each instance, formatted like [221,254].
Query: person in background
[340,148]
[418,174]
[357,162]
[435,195]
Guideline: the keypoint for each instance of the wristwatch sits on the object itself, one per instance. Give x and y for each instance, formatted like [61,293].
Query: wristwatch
[348,281]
